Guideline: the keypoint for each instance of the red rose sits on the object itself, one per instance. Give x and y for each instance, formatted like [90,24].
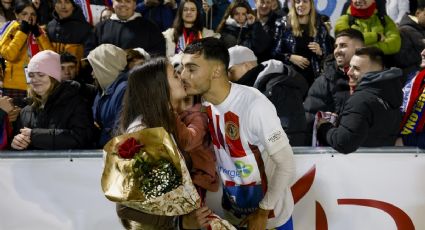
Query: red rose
[129,148]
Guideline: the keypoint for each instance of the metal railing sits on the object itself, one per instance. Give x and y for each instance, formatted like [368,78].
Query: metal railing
[97,153]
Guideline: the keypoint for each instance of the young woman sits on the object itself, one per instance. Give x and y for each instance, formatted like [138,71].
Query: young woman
[187,27]
[58,118]
[153,98]
[239,27]
[302,40]
[20,40]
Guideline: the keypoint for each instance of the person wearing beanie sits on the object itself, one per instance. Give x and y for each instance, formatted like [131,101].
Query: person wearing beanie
[282,85]
[69,31]
[58,118]
[109,64]
[20,40]
[378,29]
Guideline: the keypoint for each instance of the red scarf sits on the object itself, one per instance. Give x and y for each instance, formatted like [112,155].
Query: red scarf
[33,48]
[362,13]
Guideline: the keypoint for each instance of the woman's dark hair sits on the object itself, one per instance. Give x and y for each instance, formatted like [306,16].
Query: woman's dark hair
[178,23]
[230,11]
[148,96]
[7,13]
[20,5]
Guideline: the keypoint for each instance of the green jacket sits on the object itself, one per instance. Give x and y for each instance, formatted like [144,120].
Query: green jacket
[370,28]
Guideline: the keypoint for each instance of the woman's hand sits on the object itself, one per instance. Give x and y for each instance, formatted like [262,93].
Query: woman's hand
[250,18]
[20,142]
[299,61]
[315,48]
[197,219]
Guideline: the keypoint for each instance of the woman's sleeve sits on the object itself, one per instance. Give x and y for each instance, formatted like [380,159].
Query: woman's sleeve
[11,45]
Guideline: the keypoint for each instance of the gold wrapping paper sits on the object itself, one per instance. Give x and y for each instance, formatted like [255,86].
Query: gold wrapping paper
[119,183]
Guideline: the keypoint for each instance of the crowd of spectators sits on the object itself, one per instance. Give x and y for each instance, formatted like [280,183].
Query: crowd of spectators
[285,49]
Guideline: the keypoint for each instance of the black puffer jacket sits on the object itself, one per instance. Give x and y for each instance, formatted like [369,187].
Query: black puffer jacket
[328,92]
[135,33]
[285,88]
[66,122]
[412,35]
[251,36]
[371,116]
[70,34]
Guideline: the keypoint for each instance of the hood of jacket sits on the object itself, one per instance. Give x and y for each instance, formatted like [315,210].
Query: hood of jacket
[232,22]
[275,72]
[107,62]
[331,70]
[408,20]
[385,84]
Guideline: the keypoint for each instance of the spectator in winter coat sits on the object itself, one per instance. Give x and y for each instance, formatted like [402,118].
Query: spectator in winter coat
[239,27]
[282,85]
[412,32]
[69,31]
[330,91]
[162,13]
[378,30]
[20,40]
[371,116]
[268,18]
[412,126]
[127,29]
[187,27]
[58,118]
[302,40]
[396,9]
[108,63]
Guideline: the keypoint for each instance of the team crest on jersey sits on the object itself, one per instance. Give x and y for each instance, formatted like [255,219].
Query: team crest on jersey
[232,130]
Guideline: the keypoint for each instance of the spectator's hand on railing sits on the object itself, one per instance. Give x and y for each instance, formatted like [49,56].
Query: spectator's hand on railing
[299,61]
[20,142]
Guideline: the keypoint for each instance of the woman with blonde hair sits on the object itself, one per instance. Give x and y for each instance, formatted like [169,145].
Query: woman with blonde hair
[302,39]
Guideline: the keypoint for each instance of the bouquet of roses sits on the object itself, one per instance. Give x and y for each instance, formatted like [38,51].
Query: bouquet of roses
[144,170]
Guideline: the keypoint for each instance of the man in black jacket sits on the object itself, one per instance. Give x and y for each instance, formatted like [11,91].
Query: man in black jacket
[412,32]
[330,91]
[282,85]
[371,115]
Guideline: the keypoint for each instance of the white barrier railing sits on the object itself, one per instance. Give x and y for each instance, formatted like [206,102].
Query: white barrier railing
[370,189]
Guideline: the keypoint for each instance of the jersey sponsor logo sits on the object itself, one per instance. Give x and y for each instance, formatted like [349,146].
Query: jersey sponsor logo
[232,130]
[243,170]
[275,137]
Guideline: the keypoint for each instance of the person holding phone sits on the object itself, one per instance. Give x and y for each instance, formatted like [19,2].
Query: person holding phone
[20,40]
